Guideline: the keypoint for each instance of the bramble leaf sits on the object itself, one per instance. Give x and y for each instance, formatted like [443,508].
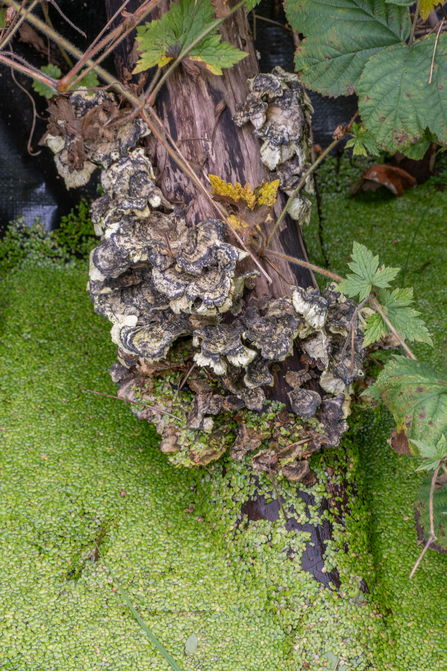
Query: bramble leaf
[417,151]
[341,35]
[396,101]
[367,273]
[164,39]
[52,71]
[362,142]
[416,394]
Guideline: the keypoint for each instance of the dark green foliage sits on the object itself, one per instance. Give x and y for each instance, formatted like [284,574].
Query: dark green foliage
[73,239]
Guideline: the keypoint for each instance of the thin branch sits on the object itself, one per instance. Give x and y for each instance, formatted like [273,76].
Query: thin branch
[432,536]
[276,23]
[33,125]
[157,411]
[277,493]
[30,71]
[300,184]
[352,330]
[14,28]
[113,39]
[50,23]
[434,51]
[376,306]
[415,20]
[306,175]
[305,264]
[53,2]
[211,28]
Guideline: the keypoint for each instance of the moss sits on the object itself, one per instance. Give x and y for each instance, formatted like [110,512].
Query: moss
[73,464]
[414,613]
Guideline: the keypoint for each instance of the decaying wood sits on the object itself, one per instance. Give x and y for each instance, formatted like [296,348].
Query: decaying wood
[191,106]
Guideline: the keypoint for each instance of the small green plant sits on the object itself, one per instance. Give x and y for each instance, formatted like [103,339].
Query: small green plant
[163,40]
[73,239]
[90,81]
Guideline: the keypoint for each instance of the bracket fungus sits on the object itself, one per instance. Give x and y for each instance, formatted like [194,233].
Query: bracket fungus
[277,107]
[193,350]
[81,135]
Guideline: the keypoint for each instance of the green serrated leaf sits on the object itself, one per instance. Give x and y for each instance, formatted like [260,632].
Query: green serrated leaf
[396,101]
[216,54]
[163,40]
[375,329]
[354,286]
[416,394]
[341,35]
[373,391]
[431,454]
[401,3]
[362,142]
[417,151]
[42,89]
[405,319]
[90,81]
[384,276]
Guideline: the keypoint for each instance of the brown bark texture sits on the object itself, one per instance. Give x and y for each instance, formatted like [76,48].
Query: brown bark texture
[188,107]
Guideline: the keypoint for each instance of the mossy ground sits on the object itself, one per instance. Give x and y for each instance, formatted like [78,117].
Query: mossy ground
[73,462]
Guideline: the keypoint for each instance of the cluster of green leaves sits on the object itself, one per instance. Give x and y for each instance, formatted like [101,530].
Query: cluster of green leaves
[73,239]
[90,81]
[367,278]
[360,46]
[165,39]
[416,395]
[362,142]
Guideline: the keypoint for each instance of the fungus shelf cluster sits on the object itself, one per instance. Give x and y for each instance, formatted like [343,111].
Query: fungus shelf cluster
[196,353]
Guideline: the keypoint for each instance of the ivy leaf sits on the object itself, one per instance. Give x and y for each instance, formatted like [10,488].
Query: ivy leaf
[362,142]
[164,39]
[396,101]
[367,273]
[341,35]
[431,454]
[42,89]
[416,394]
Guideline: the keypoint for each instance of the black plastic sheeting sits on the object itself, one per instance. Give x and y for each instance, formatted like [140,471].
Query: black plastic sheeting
[30,186]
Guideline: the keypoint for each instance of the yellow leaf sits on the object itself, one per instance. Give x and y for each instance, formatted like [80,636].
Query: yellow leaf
[266,193]
[237,223]
[236,192]
[426,7]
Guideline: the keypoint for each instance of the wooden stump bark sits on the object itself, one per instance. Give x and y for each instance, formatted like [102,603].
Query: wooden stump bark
[188,106]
